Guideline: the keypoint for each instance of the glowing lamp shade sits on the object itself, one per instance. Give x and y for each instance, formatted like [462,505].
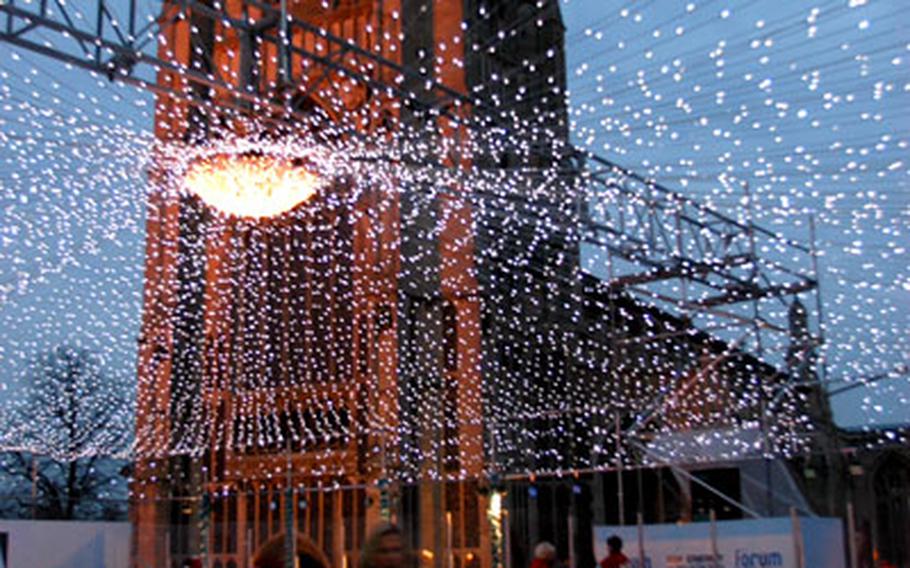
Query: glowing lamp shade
[250,186]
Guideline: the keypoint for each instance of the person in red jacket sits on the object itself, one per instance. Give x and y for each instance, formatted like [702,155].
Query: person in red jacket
[544,555]
[615,558]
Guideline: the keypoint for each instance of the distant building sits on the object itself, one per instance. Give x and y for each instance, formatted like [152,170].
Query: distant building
[874,476]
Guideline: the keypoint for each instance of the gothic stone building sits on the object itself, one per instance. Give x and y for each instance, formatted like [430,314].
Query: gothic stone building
[294,351]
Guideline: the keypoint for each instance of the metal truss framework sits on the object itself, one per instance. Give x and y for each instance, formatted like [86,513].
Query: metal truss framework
[678,253]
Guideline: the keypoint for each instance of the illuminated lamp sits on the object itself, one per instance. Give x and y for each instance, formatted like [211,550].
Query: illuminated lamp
[251,185]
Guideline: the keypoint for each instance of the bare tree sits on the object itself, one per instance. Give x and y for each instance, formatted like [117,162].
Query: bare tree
[65,437]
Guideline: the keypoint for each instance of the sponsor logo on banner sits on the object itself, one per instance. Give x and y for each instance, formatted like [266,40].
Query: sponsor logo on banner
[694,561]
[750,559]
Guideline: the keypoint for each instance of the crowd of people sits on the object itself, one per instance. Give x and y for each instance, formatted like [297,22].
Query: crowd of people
[385,549]
[545,555]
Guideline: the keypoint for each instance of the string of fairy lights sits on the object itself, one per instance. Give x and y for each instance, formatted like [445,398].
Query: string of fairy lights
[569,376]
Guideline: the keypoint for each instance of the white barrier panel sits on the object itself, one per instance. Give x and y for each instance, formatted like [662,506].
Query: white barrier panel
[65,544]
[760,543]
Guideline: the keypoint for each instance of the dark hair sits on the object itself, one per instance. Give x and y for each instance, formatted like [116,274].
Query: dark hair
[614,543]
[371,546]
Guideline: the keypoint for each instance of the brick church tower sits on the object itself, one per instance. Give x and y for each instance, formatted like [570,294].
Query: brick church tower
[290,366]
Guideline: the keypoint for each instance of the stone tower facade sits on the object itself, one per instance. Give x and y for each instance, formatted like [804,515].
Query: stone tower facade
[292,375]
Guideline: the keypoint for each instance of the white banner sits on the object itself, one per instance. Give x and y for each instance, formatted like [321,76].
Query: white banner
[757,543]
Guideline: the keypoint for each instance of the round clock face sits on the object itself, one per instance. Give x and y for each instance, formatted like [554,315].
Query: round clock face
[250,185]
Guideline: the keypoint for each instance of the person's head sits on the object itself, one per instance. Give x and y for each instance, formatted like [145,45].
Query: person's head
[614,544]
[384,548]
[545,551]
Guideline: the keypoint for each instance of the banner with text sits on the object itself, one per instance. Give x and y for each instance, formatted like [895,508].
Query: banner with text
[756,543]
